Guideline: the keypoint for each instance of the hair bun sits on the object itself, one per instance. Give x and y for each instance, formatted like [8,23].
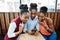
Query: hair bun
[43,9]
[23,6]
[33,5]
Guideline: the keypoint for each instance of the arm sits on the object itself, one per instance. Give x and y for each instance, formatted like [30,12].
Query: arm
[11,30]
[37,26]
[50,27]
[21,27]
[25,28]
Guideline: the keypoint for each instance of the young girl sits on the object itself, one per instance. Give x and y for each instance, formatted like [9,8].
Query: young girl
[46,25]
[16,25]
[32,22]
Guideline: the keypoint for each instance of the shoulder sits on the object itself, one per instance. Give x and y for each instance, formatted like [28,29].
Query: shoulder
[12,23]
[16,18]
[49,20]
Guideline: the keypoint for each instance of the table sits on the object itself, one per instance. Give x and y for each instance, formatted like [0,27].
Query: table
[31,37]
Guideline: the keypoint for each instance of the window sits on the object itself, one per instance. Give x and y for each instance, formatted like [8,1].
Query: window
[9,5]
[58,6]
[13,6]
[48,3]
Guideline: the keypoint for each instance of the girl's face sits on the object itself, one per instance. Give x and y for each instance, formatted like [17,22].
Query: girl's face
[24,17]
[41,16]
[33,13]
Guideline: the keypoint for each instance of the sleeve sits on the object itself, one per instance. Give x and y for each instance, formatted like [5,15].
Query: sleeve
[21,24]
[11,30]
[25,28]
[37,26]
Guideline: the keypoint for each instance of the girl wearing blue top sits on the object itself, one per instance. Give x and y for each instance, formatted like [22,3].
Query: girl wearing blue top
[32,26]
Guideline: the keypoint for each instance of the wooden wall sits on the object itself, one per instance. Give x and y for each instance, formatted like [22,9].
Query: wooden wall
[6,17]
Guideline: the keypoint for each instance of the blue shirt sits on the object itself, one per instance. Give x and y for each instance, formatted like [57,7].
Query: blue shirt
[31,24]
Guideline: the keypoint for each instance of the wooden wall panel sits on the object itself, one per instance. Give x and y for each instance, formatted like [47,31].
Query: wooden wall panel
[16,14]
[3,23]
[11,16]
[5,19]
[55,20]
[0,25]
[58,20]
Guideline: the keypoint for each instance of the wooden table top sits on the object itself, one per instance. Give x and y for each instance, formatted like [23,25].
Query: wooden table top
[31,37]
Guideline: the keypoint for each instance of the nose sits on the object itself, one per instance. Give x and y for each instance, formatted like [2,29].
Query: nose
[33,15]
[27,19]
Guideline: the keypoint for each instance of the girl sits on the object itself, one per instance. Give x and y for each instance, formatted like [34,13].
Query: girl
[16,25]
[46,25]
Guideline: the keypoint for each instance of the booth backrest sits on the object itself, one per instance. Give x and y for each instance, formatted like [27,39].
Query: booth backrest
[6,17]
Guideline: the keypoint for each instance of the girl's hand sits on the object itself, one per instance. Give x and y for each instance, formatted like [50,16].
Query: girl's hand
[36,33]
[21,27]
[44,25]
[30,32]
